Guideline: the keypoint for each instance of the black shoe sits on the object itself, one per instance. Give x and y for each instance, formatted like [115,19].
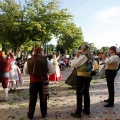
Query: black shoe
[30,116]
[11,90]
[44,116]
[86,112]
[76,115]
[109,105]
[106,100]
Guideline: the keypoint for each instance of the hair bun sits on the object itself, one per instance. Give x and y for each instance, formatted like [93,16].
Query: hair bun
[85,47]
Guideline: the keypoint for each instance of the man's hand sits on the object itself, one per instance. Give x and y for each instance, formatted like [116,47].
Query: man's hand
[104,56]
[77,54]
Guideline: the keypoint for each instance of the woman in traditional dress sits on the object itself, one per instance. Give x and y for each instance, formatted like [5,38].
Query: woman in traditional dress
[5,64]
[57,75]
[83,66]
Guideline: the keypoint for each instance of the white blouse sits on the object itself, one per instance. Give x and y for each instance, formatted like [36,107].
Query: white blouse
[112,59]
[78,61]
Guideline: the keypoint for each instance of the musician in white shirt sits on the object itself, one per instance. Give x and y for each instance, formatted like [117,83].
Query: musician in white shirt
[112,63]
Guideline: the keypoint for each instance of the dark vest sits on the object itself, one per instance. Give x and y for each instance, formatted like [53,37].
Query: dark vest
[37,66]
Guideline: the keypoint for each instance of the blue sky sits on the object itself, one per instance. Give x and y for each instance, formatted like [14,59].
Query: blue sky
[99,20]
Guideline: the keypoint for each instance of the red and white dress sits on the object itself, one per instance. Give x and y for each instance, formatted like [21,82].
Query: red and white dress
[57,75]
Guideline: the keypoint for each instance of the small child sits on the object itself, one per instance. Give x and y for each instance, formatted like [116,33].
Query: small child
[15,77]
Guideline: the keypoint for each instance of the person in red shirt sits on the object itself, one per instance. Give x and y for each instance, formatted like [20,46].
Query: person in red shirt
[38,68]
[5,67]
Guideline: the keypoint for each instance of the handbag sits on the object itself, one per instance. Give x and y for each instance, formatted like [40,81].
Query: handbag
[71,80]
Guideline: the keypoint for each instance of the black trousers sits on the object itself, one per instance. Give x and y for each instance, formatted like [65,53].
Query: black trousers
[35,88]
[110,77]
[82,88]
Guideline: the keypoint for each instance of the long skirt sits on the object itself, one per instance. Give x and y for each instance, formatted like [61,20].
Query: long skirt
[57,75]
[54,77]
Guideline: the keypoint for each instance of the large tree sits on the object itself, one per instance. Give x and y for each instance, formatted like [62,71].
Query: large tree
[71,37]
[37,20]
[13,22]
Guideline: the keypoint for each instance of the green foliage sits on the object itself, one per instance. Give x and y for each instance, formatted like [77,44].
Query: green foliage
[60,48]
[29,45]
[48,49]
[45,19]
[36,21]
[13,23]
[104,49]
[71,38]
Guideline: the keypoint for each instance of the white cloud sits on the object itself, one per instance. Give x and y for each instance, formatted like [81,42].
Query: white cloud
[105,29]
[110,15]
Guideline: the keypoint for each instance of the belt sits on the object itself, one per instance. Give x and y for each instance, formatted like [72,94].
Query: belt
[5,75]
[85,74]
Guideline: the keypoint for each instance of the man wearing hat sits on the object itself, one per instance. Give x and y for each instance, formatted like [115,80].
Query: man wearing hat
[5,66]
[38,68]
[112,63]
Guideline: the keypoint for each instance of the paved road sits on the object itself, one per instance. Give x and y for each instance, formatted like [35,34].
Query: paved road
[62,102]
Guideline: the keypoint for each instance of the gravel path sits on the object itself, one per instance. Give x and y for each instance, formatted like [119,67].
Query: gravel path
[62,102]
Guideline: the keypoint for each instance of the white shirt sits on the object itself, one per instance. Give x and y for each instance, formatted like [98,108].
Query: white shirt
[79,61]
[112,59]
[51,68]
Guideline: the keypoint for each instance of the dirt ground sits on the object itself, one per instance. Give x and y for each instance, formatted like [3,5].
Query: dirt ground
[62,101]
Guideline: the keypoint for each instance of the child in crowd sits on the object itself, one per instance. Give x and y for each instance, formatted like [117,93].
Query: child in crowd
[15,78]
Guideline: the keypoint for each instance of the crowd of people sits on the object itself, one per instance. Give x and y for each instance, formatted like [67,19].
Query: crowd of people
[43,69]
